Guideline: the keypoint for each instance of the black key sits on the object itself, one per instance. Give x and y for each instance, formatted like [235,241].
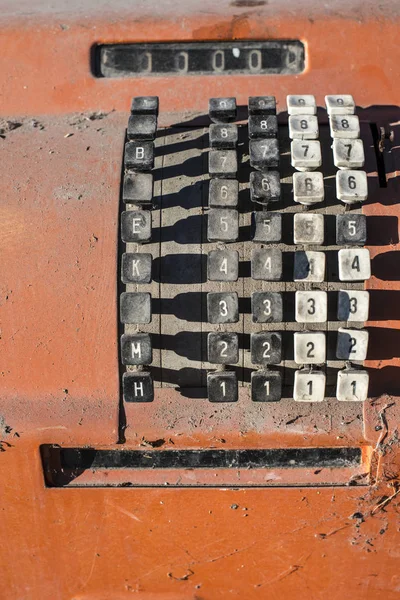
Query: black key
[222,386]
[223,348]
[136,349]
[266,264]
[264,154]
[265,187]
[266,307]
[266,386]
[222,307]
[136,226]
[138,188]
[223,136]
[266,348]
[142,127]
[267,226]
[222,163]
[135,308]
[136,268]
[222,110]
[223,192]
[138,387]
[351,229]
[263,126]
[139,156]
[145,105]
[262,105]
[223,265]
[222,225]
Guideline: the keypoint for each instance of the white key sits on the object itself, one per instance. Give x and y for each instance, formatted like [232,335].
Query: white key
[344,126]
[308,188]
[354,264]
[303,127]
[311,307]
[306,155]
[309,386]
[352,385]
[301,105]
[353,305]
[309,266]
[351,186]
[309,347]
[348,153]
[352,344]
[342,104]
[308,228]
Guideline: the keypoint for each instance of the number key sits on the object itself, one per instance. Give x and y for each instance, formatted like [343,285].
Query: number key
[303,127]
[352,385]
[309,266]
[266,386]
[342,104]
[309,347]
[222,386]
[348,153]
[353,305]
[306,155]
[223,192]
[308,188]
[345,126]
[263,126]
[222,225]
[223,265]
[351,229]
[223,348]
[264,154]
[266,264]
[267,226]
[352,344]
[222,163]
[354,264]
[222,110]
[222,307]
[266,348]
[309,386]
[351,186]
[265,187]
[223,136]
[262,105]
[301,105]
[266,307]
[308,228]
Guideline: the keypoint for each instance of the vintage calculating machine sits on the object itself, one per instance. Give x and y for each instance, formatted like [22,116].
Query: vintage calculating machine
[199,310]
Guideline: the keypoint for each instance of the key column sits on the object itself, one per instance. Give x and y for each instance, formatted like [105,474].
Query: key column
[354,260]
[266,256]
[136,265]
[222,261]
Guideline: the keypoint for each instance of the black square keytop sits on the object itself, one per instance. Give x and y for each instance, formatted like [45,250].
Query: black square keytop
[222,225]
[223,348]
[136,267]
[136,349]
[135,308]
[267,226]
[263,126]
[142,127]
[351,229]
[144,105]
[222,307]
[264,153]
[222,163]
[266,307]
[266,348]
[222,110]
[265,187]
[266,264]
[139,156]
[222,386]
[223,136]
[223,265]
[138,387]
[138,188]
[136,226]
[266,386]
[223,193]
[262,105]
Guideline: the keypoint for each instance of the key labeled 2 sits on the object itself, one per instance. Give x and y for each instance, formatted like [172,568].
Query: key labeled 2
[309,347]
[352,344]
[223,348]
[266,348]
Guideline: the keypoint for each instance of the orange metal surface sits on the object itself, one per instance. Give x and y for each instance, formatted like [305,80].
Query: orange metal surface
[59,194]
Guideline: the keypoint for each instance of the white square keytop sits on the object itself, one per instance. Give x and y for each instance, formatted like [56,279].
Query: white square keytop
[306,155]
[309,266]
[354,264]
[308,228]
[352,385]
[348,153]
[309,347]
[311,307]
[308,188]
[344,126]
[309,386]
[352,344]
[340,104]
[353,305]
[301,105]
[351,186]
[303,127]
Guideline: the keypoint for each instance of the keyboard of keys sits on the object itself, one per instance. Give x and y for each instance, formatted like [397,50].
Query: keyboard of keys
[282,364]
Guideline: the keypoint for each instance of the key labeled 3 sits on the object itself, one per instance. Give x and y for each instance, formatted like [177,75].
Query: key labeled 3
[222,307]
[311,307]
